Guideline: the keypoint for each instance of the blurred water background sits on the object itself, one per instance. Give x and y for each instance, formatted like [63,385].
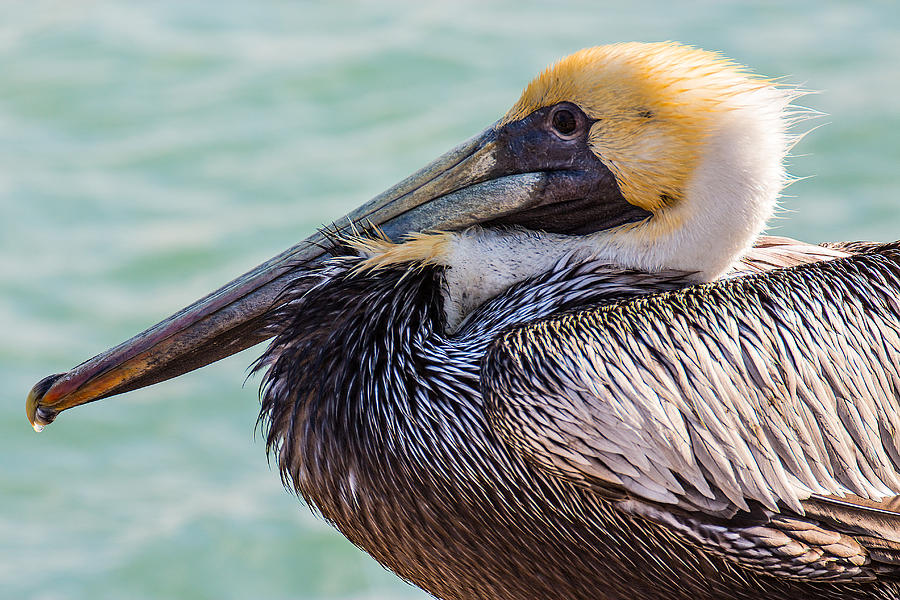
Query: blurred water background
[150,151]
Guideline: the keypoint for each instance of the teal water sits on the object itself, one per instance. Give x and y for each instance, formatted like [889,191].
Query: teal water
[149,152]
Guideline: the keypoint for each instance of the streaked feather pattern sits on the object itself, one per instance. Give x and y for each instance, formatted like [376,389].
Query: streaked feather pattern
[635,439]
[760,391]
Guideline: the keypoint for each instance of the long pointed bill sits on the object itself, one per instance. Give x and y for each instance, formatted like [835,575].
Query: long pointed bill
[488,179]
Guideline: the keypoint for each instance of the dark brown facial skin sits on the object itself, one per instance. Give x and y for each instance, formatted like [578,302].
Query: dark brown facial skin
[556,138]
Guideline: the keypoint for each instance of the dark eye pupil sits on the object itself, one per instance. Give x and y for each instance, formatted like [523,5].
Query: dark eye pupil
[564,122]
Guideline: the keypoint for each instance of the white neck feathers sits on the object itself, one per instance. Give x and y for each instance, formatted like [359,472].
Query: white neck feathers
[730,196]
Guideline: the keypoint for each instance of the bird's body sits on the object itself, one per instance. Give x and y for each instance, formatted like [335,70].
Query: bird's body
[588,377]
[410,468]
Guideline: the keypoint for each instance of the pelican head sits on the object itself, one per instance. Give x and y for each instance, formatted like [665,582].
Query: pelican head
[651,156]
[690,137]
[690,148]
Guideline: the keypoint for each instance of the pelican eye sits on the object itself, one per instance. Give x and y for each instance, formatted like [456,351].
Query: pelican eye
[565,123]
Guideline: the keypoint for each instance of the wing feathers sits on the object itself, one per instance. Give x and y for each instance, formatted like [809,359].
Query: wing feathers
[766,388]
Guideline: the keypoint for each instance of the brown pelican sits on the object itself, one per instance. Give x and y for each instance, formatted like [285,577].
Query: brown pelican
[559,362]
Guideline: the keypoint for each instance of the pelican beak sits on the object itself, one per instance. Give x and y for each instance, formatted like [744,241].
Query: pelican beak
[510,174]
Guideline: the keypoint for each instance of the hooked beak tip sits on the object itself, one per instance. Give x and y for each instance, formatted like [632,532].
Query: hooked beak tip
[40,416]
